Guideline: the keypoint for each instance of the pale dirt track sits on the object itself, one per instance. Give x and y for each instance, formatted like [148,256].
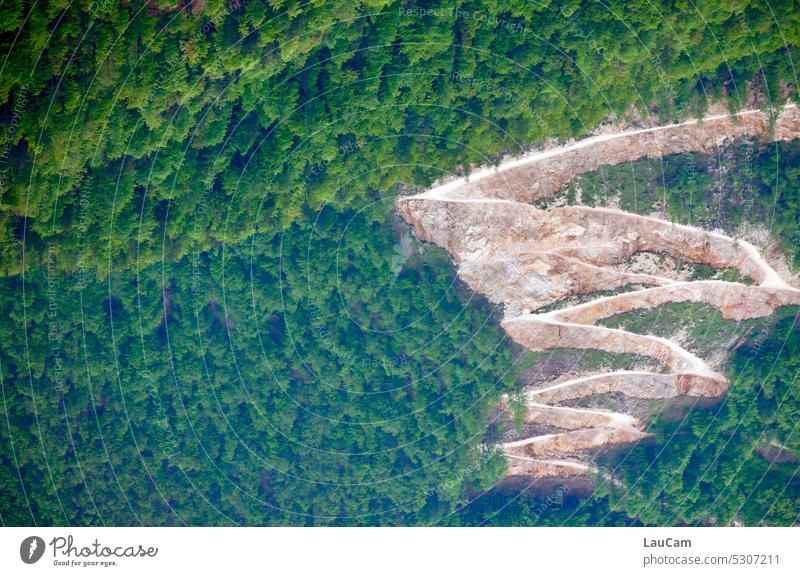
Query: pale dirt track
[526,258]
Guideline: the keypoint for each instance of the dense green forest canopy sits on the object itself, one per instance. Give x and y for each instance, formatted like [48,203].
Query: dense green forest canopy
[258,386]
[212,315]
[180,120]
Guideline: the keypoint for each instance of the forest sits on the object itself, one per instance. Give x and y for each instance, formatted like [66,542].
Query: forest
[213,317]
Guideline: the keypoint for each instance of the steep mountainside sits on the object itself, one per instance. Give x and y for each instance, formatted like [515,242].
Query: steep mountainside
[530,259]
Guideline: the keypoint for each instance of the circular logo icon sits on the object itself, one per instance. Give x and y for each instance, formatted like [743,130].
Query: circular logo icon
[31,549]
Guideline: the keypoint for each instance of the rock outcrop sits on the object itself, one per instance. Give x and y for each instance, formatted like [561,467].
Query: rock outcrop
[527,259]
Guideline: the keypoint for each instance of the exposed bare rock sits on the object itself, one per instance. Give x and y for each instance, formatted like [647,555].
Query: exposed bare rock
[559,445]
[776,453]
[527,259]
[542,173]
[542,468]
[636,384]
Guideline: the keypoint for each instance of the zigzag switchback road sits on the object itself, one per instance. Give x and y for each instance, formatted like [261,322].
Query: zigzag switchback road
[528,259]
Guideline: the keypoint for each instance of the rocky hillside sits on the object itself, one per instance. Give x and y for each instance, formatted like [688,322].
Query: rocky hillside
[532,260]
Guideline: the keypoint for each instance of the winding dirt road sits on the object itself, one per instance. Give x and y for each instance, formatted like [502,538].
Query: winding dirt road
[526,259]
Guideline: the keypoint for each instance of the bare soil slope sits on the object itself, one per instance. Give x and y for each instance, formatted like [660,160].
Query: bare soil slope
[528,259]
